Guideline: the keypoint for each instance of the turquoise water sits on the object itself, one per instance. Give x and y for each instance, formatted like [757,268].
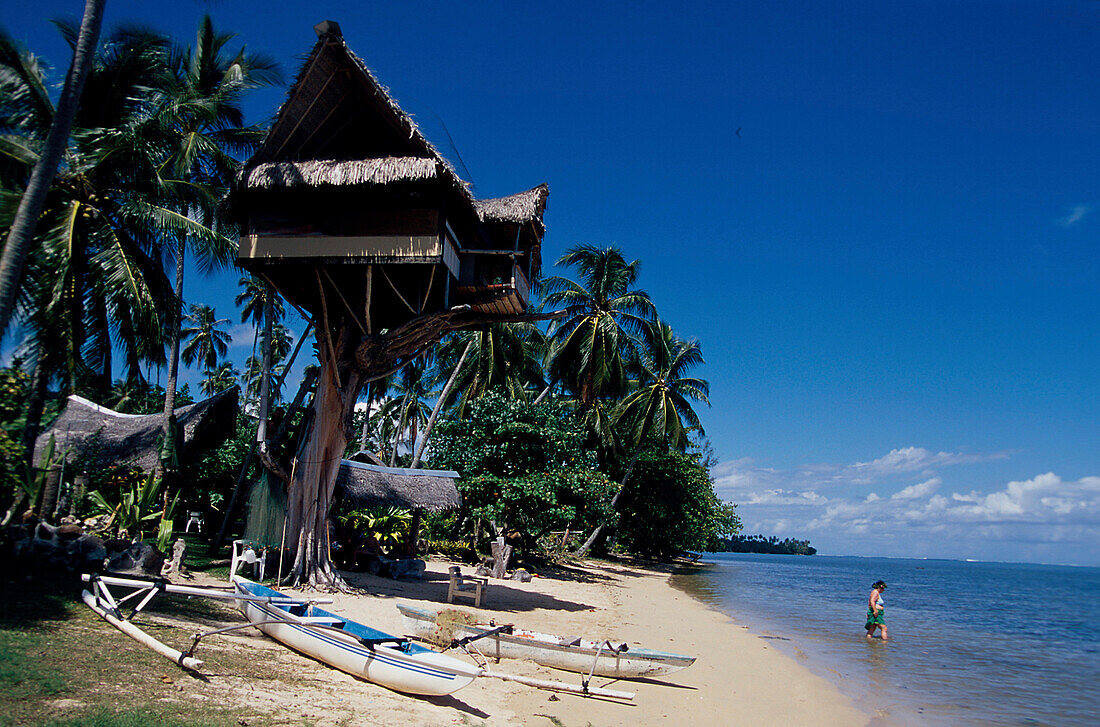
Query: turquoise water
[970,643]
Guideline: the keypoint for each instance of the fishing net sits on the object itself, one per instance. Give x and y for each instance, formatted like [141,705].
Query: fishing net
[448,627]
[266,512]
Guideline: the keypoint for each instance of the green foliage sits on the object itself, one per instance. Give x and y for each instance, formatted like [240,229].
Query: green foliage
[212,475]
[14,389]
[138,507]
[523,467]
[454,549]
[388,526]
[761,544]
[669,506]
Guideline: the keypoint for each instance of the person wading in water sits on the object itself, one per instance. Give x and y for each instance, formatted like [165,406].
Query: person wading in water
[876,610]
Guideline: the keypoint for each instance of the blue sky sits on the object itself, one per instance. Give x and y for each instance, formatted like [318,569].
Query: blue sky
[879,219]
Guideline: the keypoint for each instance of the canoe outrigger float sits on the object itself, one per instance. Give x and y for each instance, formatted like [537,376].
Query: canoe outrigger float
[594,658]
[364,652]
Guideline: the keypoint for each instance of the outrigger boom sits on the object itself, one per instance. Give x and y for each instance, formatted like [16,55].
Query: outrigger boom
[100,600]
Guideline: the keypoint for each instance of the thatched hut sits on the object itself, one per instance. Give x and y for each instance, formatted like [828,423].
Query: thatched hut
[346,180]
[363,485]
[96,436]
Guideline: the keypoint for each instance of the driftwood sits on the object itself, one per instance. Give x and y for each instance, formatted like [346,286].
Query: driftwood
[502,553]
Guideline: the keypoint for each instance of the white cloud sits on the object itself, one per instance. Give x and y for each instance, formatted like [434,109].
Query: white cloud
[923,489]
[925,516]
[242,335]
[784,497]
[908,459]
[1075,215]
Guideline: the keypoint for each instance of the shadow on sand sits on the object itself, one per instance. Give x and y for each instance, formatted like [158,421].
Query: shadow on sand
[500,596]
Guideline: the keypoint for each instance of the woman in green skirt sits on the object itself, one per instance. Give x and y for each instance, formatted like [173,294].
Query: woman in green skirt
[876,610]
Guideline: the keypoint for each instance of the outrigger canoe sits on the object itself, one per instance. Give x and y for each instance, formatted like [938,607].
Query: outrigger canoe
[599,658]
[359,650]
[368,653]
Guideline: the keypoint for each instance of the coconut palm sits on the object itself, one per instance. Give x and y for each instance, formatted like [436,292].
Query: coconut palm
[32,203]
[253,376]
[503,356]
[601,315]
[251,300]
[405,413]
[203,121]
[219,378]
[98,239]
[207,341]
[661,405]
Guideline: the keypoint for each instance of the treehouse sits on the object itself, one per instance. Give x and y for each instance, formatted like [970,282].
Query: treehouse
[356,219]
[347,204]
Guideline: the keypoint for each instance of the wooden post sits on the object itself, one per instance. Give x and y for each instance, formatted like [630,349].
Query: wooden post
[501,555]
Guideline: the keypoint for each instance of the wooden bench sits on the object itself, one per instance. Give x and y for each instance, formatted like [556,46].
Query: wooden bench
[468,586]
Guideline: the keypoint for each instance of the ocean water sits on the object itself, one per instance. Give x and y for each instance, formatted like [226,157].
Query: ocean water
[970,643]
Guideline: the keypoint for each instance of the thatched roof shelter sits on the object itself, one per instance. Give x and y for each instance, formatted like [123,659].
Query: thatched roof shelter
[368,485]
[99,437]
[345,181]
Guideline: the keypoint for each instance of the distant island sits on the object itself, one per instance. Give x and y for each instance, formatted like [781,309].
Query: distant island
[760,544]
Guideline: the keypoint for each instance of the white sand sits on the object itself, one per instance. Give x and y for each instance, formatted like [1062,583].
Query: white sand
[738,679]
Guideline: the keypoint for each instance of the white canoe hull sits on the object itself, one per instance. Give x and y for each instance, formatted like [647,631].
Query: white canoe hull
[416,670]
[547,649]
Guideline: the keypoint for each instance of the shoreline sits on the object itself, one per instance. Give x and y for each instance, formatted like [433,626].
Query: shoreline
[738,678]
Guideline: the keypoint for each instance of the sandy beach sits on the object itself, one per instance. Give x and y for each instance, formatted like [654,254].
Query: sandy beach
[739,678]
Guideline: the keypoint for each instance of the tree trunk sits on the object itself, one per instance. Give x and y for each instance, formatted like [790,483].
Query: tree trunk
[544,393]
[174,327]
[366,422]
[595,535]
[310,494]
[439,405]
[265,380]
[50,488]
[307,382]
[33,201]
[36,402]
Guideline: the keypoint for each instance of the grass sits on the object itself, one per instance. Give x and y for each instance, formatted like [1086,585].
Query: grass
[60,665]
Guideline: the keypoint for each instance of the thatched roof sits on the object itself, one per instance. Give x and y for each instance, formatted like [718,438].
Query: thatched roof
[329,172]
[108,437]
[340,126]
[520,208]
[368,485]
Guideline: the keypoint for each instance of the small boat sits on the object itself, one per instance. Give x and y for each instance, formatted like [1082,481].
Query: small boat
[599,658]
[364,652]
[359,650]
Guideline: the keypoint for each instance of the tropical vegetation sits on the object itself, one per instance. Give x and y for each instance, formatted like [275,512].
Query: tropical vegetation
[581,434]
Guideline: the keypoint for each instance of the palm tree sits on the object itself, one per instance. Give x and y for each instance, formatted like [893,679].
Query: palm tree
[219,378]
[207,341]
[99,234]
[503,356]
[252,298]
[204,122]
[253,376]
[660,405]
[405,412]
[33,201]
[590,342]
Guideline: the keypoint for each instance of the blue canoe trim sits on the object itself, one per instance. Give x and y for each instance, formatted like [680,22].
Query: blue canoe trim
[358,629]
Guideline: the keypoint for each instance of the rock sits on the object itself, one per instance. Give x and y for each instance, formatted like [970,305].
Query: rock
[69,533]
[521,575]
[140,559]
[87,554]
[408,568]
